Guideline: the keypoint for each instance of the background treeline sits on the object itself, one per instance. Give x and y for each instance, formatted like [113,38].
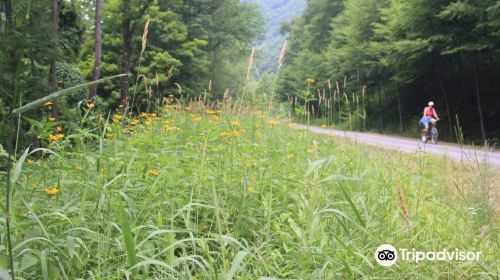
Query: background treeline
[188,48]
[406,53]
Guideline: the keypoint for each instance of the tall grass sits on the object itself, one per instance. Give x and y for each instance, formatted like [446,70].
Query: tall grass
[203,194]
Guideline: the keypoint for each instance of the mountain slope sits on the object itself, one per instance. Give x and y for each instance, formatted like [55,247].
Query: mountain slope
[276,12]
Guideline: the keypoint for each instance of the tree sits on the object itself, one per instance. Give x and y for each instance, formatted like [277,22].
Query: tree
[53,59]
[409,52]
[98,50]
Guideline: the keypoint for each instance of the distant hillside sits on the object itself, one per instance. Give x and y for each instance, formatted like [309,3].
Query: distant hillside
[276,12]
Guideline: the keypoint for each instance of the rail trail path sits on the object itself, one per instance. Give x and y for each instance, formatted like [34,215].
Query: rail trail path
[455,152]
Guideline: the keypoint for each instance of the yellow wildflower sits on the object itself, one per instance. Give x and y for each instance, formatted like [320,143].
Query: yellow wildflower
[235,124]
[153,172]
[290,156]
[78,168]
[261,116]
[251,189]
[90,105]
[59,128]
[273,122]
[173,128]
[323,126]
[214,119]
[144,114]
[51,191]
[117,118]
[134,122]
[310,80]
[210,112]
[196,118]
[51,119]
[224,134]
[56,137]
[48,104]
[30,161]
[236,133]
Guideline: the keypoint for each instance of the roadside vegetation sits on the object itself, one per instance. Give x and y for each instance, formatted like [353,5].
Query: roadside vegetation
[193,192]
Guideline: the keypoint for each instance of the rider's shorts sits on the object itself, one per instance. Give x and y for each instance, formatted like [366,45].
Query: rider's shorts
[426,120]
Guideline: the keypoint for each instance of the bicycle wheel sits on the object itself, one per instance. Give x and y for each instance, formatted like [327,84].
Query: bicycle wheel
[434,135]
[423,137]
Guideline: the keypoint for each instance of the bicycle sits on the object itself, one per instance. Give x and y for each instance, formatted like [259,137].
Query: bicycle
[431,134]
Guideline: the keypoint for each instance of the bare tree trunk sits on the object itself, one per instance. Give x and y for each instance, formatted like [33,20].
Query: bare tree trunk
[380,107]
[478,100]
[126,52]
[3,16]
[400,110]
[53,66]
[445,97]
[98,50]
[462,82]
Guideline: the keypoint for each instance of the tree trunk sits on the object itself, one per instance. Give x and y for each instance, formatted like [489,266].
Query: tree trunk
[380,107]
[3,16]
[463,109]
[400,110]
[53,67]
[126,52]
[98,50]
[478,100]
[445,97]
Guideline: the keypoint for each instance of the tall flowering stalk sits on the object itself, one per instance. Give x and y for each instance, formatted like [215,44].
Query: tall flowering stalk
[280,63]
[144,42]
[404,208]
[250,64]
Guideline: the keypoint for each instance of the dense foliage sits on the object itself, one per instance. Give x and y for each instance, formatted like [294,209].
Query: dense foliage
[191,48]
[406,53]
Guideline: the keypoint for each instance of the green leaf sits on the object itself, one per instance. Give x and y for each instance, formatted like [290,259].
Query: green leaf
[128,238]
[18,167]
[354,208]
[28,261]
[43,263]
[236,264]
[39,102]
[316,165]
[338,177]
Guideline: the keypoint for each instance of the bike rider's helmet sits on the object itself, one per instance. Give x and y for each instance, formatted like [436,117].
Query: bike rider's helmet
[431,103]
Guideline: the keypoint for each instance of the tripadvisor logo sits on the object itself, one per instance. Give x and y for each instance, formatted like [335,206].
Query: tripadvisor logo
[387,255]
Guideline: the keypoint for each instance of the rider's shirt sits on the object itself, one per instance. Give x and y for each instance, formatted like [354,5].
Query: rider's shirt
[428,112]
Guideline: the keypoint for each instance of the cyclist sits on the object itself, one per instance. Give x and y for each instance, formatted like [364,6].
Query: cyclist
[429,116]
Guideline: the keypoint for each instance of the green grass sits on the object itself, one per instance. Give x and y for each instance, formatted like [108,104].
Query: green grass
[218,200]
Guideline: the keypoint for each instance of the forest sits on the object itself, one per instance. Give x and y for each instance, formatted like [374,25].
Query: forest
[156,139]
[193,47]
[397,55]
